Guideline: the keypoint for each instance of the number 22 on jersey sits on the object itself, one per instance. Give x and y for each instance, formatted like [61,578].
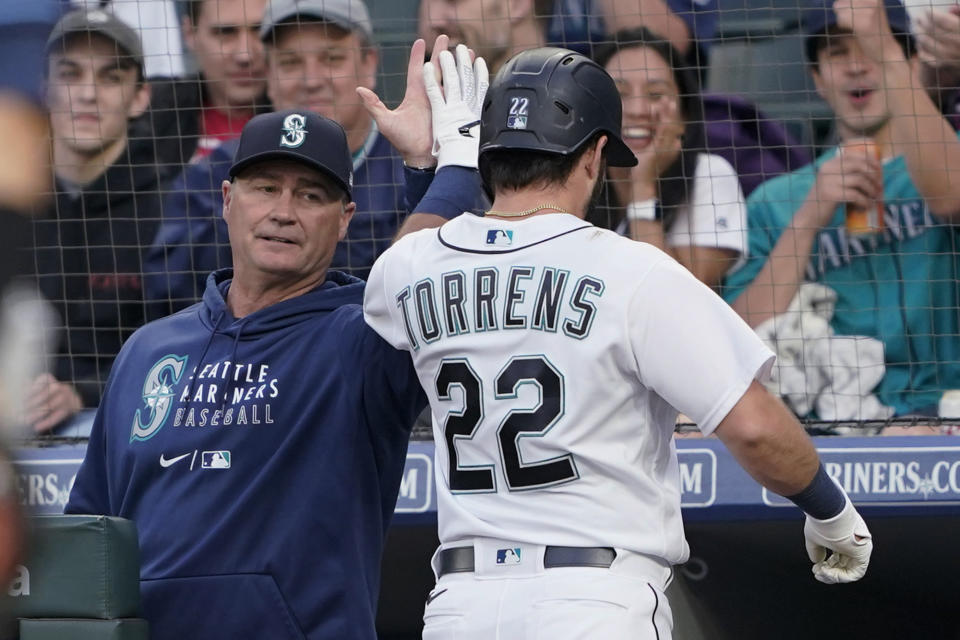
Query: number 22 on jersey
[463,423]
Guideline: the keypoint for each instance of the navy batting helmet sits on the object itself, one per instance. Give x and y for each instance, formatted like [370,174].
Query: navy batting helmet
[553,100]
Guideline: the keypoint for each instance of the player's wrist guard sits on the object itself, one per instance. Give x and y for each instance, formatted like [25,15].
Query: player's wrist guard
[822,499]
[455,190]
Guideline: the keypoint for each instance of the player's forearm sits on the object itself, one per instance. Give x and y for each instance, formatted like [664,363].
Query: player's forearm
[655,15]
[920,133]
[777,282]
[768,441]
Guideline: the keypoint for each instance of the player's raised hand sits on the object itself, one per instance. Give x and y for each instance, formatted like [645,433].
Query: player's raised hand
[455,102]
[408,127]
[847,537]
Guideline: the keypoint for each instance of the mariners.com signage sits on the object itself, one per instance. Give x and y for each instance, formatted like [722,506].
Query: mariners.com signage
[876,472]
[892,476]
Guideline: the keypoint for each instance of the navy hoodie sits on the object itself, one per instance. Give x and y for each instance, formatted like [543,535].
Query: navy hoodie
[260,459]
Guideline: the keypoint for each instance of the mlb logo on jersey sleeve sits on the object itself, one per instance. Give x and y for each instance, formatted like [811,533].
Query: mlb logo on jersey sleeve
[508,556]
[500,237]
[215,460]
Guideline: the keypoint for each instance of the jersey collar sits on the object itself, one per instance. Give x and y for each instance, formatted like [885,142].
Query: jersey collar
[475,234]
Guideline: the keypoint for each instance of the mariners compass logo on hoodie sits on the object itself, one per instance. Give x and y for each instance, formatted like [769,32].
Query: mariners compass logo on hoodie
[158,393]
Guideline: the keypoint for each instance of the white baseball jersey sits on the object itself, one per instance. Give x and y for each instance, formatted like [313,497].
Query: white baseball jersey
[556,356]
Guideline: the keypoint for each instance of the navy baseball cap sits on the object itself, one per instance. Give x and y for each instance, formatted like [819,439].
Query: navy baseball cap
[300,135]
[820,17]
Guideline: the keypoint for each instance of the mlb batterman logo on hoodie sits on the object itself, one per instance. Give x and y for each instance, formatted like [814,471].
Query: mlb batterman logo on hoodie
[158,393]
[294,131]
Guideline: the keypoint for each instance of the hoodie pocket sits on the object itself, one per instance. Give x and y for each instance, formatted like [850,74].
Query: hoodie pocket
[234,607]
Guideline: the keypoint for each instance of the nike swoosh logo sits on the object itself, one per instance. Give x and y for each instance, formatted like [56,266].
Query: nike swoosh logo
[433,596]
[465,129]
[165,462]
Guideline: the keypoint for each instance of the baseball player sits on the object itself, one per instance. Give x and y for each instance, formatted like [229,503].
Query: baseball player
[556,357]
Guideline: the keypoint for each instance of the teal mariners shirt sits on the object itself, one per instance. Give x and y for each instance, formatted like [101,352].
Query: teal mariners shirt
[899,286]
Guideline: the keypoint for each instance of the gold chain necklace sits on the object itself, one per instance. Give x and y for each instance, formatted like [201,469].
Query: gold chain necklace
[528,212]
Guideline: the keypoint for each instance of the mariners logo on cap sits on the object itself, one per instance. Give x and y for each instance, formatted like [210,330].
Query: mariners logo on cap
[294,131]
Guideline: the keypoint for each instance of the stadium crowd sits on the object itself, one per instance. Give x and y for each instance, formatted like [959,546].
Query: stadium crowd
[846,265]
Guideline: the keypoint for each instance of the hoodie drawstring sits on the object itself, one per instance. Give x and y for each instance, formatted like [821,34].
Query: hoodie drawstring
[203,354]
[233,359]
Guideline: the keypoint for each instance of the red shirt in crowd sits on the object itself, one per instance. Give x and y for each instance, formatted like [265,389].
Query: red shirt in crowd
[217,126]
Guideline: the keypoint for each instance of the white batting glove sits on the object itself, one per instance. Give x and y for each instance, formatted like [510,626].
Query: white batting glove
[456,107]
[847,536]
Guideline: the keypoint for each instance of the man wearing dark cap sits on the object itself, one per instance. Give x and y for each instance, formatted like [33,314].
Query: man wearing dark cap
[258,437]
[89,245]
[874,219]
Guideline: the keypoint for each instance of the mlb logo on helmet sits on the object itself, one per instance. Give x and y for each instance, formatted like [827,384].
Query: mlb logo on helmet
[516,122]
[215,460]
[500,237]
[508,556]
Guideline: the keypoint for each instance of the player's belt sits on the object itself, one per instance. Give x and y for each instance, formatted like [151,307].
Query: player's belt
[460,559]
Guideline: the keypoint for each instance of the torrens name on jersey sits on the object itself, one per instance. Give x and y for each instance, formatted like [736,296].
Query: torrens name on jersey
[539,298]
